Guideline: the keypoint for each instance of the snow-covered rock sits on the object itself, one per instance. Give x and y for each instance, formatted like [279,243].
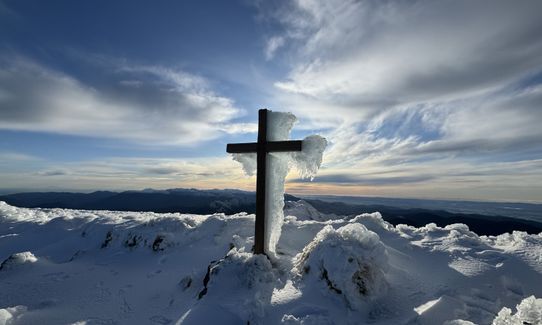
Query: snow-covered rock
[243,281]
[17,259]
[350,261]
[11,314]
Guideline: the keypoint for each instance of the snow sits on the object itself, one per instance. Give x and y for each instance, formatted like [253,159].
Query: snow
[352,260]
[106,267]
[303,210]
[10,315]
[307,162]
[529,311]
[17,259]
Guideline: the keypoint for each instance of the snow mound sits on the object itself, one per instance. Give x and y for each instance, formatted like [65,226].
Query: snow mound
[9,315]
[529,311]
[240,285]
[17,259]
[350,261]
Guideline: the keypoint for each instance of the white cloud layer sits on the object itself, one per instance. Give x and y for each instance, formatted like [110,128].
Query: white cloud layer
[149,104]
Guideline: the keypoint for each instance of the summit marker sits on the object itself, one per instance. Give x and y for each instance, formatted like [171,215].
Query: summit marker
[262,148]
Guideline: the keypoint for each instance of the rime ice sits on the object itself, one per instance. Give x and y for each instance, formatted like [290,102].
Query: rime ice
[307,162]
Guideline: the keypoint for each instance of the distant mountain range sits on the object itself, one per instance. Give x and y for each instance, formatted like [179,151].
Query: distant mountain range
[172,200]
[479,223]
[529,211]
[234,201]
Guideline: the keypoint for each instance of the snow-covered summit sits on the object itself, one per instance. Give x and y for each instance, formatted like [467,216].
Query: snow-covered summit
[103,267]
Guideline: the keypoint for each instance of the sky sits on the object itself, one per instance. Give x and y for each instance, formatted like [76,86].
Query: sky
[420,99]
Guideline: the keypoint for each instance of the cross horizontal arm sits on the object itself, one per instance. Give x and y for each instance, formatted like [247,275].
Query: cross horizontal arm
[241,147]
[275,146]
[271,146]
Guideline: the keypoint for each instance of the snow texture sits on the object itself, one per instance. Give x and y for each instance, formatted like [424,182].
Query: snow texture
[307,162]
[106,267]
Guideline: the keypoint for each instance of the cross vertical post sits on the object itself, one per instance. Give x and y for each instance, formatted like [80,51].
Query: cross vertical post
[261,175]
[261,148]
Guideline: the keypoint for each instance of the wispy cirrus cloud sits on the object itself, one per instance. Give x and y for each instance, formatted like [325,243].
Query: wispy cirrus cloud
[360,58]
[366,56]
[398,82]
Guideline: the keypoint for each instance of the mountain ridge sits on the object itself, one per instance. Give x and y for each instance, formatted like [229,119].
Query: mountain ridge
[231,201]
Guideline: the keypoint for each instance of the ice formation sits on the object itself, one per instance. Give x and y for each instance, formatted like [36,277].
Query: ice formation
[307,162]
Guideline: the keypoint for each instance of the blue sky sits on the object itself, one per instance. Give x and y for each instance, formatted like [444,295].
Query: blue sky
[416,98]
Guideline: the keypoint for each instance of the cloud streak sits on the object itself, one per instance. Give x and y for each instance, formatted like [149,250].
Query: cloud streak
[378,181]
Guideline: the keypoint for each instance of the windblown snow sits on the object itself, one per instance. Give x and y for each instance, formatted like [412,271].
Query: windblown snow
[63,266]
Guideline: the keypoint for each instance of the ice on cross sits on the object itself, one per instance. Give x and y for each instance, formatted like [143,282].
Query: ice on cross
[307,162]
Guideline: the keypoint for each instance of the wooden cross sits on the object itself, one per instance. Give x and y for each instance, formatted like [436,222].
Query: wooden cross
[262,147]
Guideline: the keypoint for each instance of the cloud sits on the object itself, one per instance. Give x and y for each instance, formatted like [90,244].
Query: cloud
[157,105]
[272,45]
[237,128]
[360,180]
[56,172]
[362,57]
[404,84]
[174,169]
[17,157]
[129,173]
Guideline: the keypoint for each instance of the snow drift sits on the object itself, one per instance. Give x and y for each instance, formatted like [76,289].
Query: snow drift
[104,267]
